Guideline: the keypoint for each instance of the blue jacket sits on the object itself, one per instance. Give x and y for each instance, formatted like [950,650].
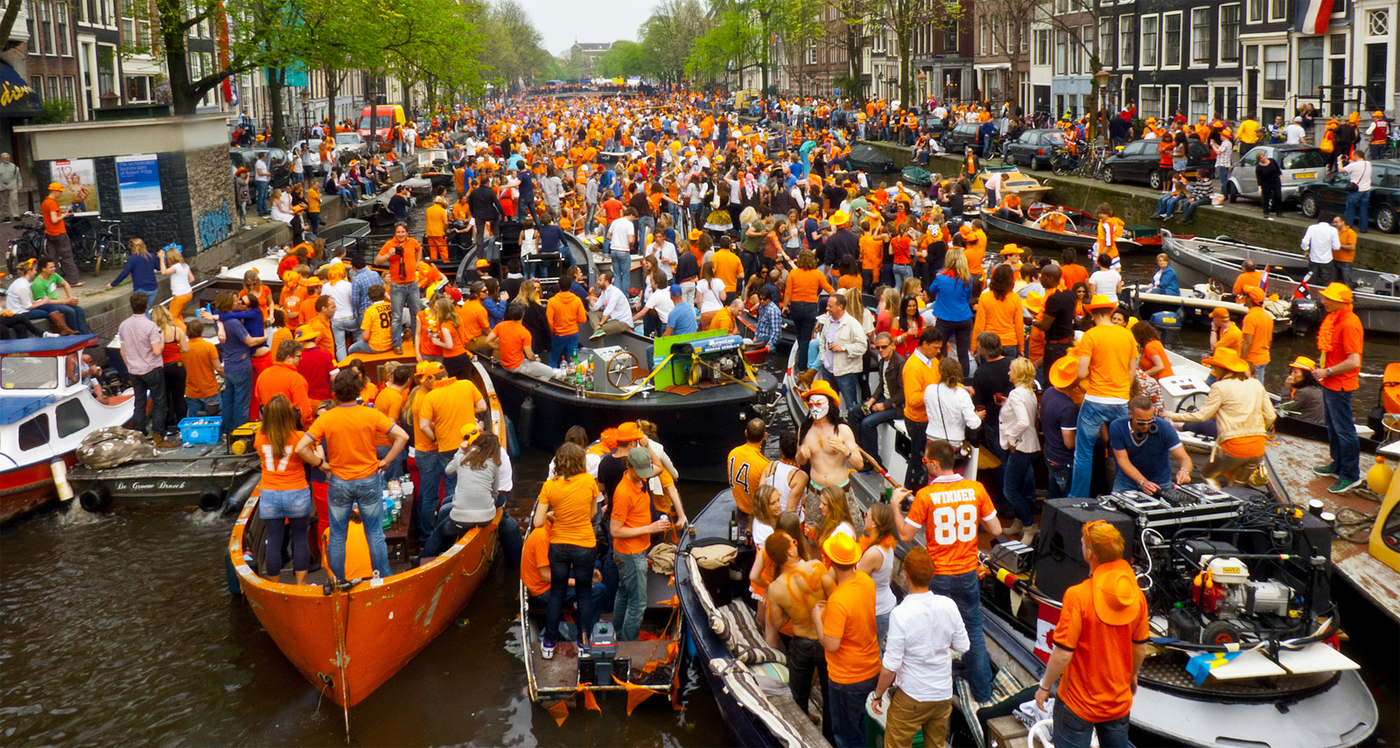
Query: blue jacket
[142,269]
[952,299]
[1170,286]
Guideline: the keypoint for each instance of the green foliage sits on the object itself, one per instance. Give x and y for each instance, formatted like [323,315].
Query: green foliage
[623,59]
[56,111]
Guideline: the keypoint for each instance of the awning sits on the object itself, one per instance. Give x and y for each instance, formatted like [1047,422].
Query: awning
[993,66]
[17,99]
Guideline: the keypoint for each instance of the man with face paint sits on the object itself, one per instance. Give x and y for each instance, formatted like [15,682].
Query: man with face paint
[828,447]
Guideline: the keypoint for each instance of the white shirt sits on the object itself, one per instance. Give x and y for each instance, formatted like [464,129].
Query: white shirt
[993,182]
[711,295]
[180,280]
[505,474]
[613,303]
[1106,282]
[660,300]
[950,413]
[622,232]
[1295,133]
[1319,242]
[925,630]
[260,172]
[665,258]
[19,298]
[339,291]
[1360,174]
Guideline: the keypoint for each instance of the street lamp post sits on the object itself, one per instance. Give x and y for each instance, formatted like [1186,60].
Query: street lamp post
[305,103]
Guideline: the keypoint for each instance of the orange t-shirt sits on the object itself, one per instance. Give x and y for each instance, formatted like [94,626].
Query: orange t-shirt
[421,442]
[1344,337]
[390,403]
[976,252]
[1111,351]
[473,319]
[403,270]
[1154,348]
[425,346]
[1002,317]
[850,616]
[573,500]
[1097,684]
[1073,273]
[728,268]
[917,377]
[1347,236]
[290,301]
[533,557]
[459,344]
[450,406]
[631,506]
[953,505]
[199,369]
[847,281]
[48,208]
[286,474]
[514,337]
[746,465]
[1260,325]
[1233,337]
[1244,447]
[806,284]
[565,313]
[872,253]
[281,378]
[348,430]
[1245,280]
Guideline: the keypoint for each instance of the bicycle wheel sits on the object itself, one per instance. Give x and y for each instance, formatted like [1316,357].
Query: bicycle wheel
[113,253]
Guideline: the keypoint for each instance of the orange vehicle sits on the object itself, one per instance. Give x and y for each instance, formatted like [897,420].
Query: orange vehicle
[386,118]
[347,639]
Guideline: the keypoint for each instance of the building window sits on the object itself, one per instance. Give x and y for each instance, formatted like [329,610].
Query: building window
[1200,35]
[1107,52]
[1200,102]
[52,92]
[1277,9]
[1086,38]
[1025,36]
[877,41]
[1337,45]
[1061,52]
[1075,68]
[60,19]
[812,54]
[1151,99]
[1042,46]
[993,84]
[950,37]
[46,27]
[70,94]
[1127,38]
[1309,65]
[1171,40]
[984,35]
[30,19]
[1149,41]
[1275,71]
[1256,11]
[1378,22]
[1229,33]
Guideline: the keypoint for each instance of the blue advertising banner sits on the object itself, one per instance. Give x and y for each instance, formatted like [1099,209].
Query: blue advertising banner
[138,181]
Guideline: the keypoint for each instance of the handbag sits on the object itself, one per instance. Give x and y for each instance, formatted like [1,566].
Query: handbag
[964,451]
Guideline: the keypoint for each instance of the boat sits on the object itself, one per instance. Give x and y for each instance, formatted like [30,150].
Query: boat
[698,389]
[1201,260]
[916,175]
[434,166]
[349,637]
[1078,233]
[202,475]
[1013,182]
[1194,304]
[375,208]
[46,410]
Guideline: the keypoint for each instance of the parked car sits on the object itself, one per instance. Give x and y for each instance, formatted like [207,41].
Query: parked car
[279,162]
[350,145]
[932,126]
[1034,148]
[960,137]
[1330,195]
[1300,163]
[1139,160]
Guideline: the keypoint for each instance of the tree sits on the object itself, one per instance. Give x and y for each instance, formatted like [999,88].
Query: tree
[668,37]
[903,18]
[1009,23]
[799,26]
[1069,16]
[7,21]
[730,46]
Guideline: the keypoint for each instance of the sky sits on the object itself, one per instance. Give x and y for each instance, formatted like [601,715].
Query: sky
[562,22]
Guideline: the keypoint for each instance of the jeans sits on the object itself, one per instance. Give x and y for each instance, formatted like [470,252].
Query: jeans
[901,273]
[260,185]
[1018,484]
[569,561]
[962,589]
[1191,207]
[1341,271]
[868,432]
[804,317]
[1058,479]
[449,484]
[644,225]
[915,476]
[343,496]
[807,662]
[1321,273]
[562,346]
[753,265]
[1222,175]
[151,383]
[430,474]
[403,296]
[1343,445]
[1166,204]
[631,600]
[845,387]
[396,469]
[445,535]
[73,315]
[238,390]
[1358,202]
[1271,194]
[962,332]
[1091,416]
[1073,732]
[622,270]
[848,711]
[201,406]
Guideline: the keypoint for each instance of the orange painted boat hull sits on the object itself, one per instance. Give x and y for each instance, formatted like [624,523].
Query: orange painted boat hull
[349,642]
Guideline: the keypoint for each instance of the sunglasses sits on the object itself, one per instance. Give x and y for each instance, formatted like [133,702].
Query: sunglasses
[1143,424]
[882,347]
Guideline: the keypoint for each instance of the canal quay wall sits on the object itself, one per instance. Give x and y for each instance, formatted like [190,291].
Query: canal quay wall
[1136,205]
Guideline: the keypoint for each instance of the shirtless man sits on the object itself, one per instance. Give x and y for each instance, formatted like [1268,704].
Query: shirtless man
[829,448]
[799,586]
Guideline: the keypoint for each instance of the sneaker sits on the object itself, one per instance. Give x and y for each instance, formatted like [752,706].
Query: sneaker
[1342,486]
[52,335]
[1269,218]
[546,650]
[1325,470]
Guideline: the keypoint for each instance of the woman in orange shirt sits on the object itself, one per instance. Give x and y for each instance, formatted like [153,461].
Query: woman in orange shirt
[804,286]
[568,501]
[850,274]
[999,311]
[1154,361]
[284,503]
[449,338]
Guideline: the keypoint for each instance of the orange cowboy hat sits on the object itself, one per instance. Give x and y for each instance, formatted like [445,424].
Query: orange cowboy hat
[1035,303]
[312,282]
[629,432]
[428,368]
[1304,363]
[823,387]
[841,549]
[1100,301]
[1117,597]
[307,336]
[482,263]
[1338,292]
[1255,294]
[967,231]
[1065,371]
[839,218]
[1010,249]
[1227,359]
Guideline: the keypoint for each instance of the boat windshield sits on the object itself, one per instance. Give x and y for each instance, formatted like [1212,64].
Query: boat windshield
[28,373]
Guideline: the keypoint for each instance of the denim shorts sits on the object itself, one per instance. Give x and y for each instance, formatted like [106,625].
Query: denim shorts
[292,504]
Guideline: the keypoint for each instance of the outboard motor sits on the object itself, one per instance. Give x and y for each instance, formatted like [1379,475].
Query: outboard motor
[1306,315]
[1168,323]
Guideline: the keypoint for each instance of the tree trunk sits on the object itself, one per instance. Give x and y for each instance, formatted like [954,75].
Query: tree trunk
[332,88]
[7,23]
[905,68]
[275,86]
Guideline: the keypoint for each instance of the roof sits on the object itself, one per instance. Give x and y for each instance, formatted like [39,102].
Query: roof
[59,346]
[16,408]
[593,46]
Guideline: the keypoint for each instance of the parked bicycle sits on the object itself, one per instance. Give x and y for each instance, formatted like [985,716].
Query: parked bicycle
[93,248]
[27,246]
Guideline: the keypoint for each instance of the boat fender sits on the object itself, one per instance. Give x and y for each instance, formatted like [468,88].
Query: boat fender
[59,468]
[210,499]
[526,424]
[95,498]
[238,498]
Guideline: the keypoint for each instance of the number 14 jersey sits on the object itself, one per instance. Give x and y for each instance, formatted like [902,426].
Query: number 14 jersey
[949,509]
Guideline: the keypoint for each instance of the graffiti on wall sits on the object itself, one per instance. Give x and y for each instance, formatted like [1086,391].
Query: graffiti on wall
[214,226]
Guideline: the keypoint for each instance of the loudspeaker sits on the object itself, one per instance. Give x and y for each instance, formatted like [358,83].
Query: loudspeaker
[1059,564]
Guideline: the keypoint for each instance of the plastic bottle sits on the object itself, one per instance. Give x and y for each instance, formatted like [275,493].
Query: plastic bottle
[388,505]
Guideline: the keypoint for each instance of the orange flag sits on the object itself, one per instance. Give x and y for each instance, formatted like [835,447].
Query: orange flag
[559,710]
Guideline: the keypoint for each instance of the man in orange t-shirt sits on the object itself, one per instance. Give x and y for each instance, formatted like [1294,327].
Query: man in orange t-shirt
[1340,340]
[355,472]
[452,404]
[512,340]
[1258,331]
[1100,642]
[402,254]
[1108,356]
[949,510]
[632,528]
[565,313]
[56,234]
[845,624]
[473,321]
[746,466]
[282,378]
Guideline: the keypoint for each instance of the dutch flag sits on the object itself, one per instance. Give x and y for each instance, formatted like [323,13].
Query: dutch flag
[1312,16]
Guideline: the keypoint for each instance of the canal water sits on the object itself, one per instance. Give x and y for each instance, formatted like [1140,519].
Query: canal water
[119,630]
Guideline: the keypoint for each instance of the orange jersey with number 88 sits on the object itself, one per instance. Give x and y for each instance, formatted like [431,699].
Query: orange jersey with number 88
[949,510]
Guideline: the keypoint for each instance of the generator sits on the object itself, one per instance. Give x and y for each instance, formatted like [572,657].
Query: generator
[709,360]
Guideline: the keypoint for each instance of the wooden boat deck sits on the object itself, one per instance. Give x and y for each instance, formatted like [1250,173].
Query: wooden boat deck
[1290,462]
